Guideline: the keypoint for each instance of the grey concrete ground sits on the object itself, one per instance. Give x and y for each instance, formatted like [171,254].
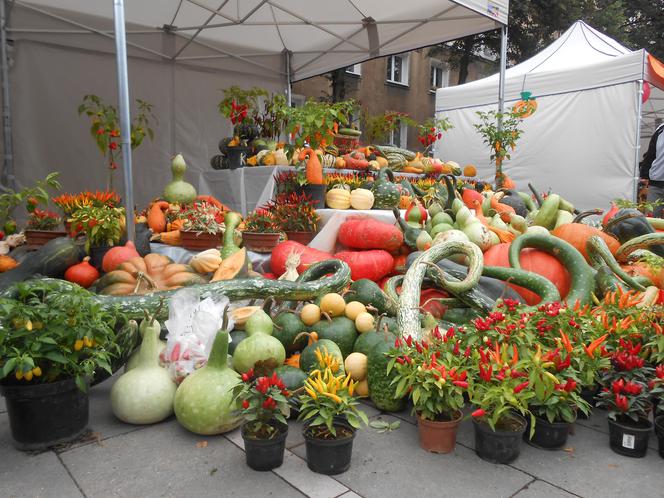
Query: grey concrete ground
[121,460]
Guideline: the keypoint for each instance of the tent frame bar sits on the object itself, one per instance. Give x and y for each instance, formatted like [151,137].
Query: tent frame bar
[637,142]
[7,178]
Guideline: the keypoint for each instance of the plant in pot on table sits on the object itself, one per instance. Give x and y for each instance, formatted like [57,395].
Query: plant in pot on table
[296,216]
[202,225]
[52,344]
[433,375]
[261,232]
[42,225]
[69,203]
[331,416]
[265,410]
[103,226]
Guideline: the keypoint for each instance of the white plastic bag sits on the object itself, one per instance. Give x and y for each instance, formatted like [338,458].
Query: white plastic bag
[192,326]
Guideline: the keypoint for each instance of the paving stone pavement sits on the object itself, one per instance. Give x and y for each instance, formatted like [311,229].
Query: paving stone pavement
[121,460]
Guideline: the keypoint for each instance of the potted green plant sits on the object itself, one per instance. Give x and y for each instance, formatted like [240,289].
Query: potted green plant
[431,130]
[52,344]
[42,225]
[265,410]
[68,203]
[261,232]
[241,108]
[11,199]
[203,225]
[103,227]
[296,216]
[330,412]
[435,379]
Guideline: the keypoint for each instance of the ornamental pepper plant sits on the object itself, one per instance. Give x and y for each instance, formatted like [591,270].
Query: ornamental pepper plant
[431,130]
[432,373]
[625,399]
[263,402]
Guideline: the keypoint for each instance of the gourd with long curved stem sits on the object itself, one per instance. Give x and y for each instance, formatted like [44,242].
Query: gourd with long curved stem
[408,322]
[640,242]
[600,255]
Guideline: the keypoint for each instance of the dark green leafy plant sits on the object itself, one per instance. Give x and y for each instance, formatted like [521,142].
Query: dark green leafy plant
[316,122]
[47,335]
[501,141]
[102,225]
[38,194]
[263,403]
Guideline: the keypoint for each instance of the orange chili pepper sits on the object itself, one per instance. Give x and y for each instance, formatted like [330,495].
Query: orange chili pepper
[605,320]
[565,340]
[590,349]
[515,355]
[622,302]
[577,305]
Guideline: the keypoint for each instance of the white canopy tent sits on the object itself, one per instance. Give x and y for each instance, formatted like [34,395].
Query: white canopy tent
[181,53]
[583,140]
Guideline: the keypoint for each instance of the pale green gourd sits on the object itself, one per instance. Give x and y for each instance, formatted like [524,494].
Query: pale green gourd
[259,323]
[177,190]
[144,395]
[136,354]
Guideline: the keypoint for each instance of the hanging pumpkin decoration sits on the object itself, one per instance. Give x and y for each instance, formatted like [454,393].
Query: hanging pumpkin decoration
[525,107]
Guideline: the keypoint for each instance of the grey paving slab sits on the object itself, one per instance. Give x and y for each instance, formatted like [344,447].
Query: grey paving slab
[25,475]
[540,489]
[166,460]
[588,467]
[393,464]
[369,408]
[294,470]
[3,405]
[598,421]
[350,494]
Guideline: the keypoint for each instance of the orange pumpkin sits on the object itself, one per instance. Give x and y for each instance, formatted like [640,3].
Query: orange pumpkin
[578,234]
[470,170]
[7,263]
[531,260]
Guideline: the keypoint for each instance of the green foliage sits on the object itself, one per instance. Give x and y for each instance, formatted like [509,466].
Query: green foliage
[314,122]
[11,199]
[377,128]
[47,335]
[644,207]
[102,225]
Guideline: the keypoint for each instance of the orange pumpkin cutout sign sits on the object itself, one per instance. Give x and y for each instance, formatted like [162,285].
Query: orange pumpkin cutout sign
[525,107]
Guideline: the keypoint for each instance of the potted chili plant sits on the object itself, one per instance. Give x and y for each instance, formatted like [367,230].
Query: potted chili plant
[432,373]
[103,226]
[329,410]
[69,203]
[265,409]
[203,225]
[261,232]
[42,225]
[296,216]
[52,344]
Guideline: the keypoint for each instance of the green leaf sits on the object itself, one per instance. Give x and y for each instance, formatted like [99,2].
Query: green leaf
[56,356]
[8,367]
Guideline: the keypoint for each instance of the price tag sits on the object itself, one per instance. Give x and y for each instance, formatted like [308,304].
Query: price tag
[628,441]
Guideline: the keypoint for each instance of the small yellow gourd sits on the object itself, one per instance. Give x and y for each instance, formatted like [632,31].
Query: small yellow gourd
[353,309]
[362,388]
[310,314]
[338,197]
[206,261]
[356,365]
[364,322]
[361,198]
[332,304]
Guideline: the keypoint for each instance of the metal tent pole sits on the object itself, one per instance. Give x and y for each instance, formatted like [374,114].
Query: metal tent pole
[123,103]
[7,177]
[289,95]
[637,145]
[501,95]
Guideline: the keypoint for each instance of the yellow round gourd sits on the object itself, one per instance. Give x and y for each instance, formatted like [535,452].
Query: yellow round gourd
[356,365]
[333,304]
[361,198]
[364,322]
[310,314]
[206,261]
[354,308]
[362,388]
[338,198]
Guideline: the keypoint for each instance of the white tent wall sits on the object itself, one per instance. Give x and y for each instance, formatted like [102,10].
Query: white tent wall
[48,83]
[578,144]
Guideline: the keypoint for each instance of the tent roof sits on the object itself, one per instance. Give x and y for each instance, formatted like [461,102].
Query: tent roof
[252,35]
[581,58]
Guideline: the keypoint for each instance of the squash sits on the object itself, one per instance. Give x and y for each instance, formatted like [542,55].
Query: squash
[310,314]
[386,193]
[259,351]
[372,264]
[314,169]
[531,260]
[577,234]
[206,261]
[361,198]
[308,256]
[339,330]
[229,246]
[83,273]
[288,328]
[353,309]
[154,272]
[233,266]
[156,216]
[338,197]
[356,365]
[7,263]
[171,237]
[469,170]
[364,322]
[362,388]
[332,304]
[368,233]
[177,190]
[117,255]
[328,160]
[382,162]
[339,163]
[241,315]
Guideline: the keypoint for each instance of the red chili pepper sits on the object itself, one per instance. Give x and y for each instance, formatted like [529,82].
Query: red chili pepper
[461,383]
[621,403]
[478,413]
[521,387]
[409,341]
[245,404]
[455,351]
[400,360]
[570,385]
[515,375]
[418,347]
[564,364]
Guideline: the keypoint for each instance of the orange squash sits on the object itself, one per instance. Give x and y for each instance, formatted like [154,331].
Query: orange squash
[157,216]
[232,267]
[314,169]
[469,170]
[154,272]
[7,263]
[578,234]
[640,268]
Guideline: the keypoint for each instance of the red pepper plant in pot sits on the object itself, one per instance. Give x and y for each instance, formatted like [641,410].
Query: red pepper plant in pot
[263,403]
[433,374]
[329,409]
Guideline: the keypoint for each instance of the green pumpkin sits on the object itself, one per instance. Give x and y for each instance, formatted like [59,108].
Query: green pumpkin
[308,360]
[385,191]
[367,341]
[381,389]
[369,293]
[340,330]
[287,326]
[237,336]
[293,377]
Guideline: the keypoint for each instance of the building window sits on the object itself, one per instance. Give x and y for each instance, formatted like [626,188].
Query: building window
[399,137]
[439,76]
[355,69]
[397,69]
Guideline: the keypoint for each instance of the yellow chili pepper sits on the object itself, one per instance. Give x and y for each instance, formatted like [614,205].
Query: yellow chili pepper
[311,392]
[333,397]
[78,345]
[87,342]
[19,374]
[351,388]
[552,377]
[347,381]
[547,364]
[28,375]
[538,355]
[28,325]
[37,372]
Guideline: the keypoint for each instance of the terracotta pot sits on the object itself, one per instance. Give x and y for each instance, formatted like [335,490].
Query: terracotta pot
[37,238]
[439,437]
[195,241]
[260,242]
[301,237]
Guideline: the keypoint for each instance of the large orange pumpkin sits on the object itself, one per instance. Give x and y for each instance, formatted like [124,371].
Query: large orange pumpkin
[535,261]
[578,234]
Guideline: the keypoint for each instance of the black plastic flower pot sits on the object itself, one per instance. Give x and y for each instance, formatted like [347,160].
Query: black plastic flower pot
[659,431]
[265,454]
[629,438]
[547,435]
[329,456]
[588,395]
[502,445]
[315,192]
[237,156]
[43,415]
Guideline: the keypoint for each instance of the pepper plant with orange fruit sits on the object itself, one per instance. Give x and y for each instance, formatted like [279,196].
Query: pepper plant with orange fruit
[48,336]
